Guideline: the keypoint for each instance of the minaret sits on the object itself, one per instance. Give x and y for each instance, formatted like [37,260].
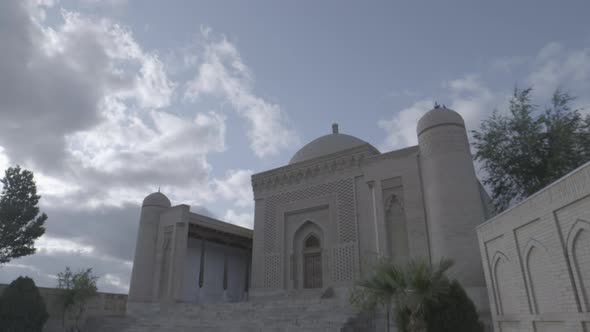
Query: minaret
[142,275]
[452,194]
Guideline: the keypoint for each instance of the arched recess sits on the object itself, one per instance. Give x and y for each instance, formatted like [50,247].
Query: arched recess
[540,276]
[165,266]
[578,248]
[502,282]
[396,229]
[309,268]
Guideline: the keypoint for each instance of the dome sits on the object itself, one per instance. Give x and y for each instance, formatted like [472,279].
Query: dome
[439,116]
[156,199]
[328,144]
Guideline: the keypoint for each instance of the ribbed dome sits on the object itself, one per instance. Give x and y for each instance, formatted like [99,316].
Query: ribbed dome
[156,199]
[328,144]
[439,116]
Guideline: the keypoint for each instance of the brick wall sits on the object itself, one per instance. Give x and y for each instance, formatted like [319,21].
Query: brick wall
[536,258]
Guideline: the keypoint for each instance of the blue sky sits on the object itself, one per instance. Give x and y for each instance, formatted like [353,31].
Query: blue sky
[108,100]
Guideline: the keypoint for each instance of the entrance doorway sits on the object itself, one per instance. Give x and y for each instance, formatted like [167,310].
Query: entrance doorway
[312,263]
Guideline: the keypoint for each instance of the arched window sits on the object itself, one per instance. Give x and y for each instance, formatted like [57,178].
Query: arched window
[312,242]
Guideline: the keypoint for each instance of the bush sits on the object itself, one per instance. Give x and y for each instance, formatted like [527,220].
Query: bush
[22,309]
[456,312]
[77,289]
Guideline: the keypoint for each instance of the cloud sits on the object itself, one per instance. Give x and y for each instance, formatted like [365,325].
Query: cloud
[236,187]
[468,95]
[124,157]
[557,67]
[471,98]
[56,80]
[223,74]
[43,268]
[400,129]
[554,66]
[85,107]
[241,219]
[102,239]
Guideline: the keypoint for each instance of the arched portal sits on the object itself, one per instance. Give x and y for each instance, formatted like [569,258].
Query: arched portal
[308,257]
[312,262]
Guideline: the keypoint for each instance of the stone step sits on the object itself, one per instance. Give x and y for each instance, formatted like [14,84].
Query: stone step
[277,315]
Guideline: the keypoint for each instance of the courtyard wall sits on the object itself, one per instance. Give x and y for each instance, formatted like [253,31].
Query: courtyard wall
[536,259]
[104,304]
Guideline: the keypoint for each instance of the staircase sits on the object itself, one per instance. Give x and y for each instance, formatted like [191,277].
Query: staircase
[283,315]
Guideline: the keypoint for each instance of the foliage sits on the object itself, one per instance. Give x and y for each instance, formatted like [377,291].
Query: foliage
[77,289]
[456,312]
[525,150]
[410,287]
[20,222]
[22,309]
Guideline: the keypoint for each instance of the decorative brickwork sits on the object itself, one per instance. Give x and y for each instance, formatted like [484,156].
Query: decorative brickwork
[343,263]
[272,269]
[292,175]
[346,225]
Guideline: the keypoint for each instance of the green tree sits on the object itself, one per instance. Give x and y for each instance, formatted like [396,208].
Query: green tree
[77,289]
[526,149]
[22,309]
[20,221]
[410,288]
[455,312]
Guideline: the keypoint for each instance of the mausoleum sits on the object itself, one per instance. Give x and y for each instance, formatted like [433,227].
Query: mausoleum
[322,220]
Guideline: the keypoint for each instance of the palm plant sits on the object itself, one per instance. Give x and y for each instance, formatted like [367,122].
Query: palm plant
[410,288]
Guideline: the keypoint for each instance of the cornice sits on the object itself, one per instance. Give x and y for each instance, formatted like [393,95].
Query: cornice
[348,159]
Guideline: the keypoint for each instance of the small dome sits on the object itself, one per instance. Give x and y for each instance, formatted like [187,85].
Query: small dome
[156,199]
[328,144]
[439,116]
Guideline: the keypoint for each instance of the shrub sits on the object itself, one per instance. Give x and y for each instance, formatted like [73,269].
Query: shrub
[456,313]
[22,309]
[77,289]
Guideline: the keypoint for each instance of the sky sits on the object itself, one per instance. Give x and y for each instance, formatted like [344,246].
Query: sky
[107,101]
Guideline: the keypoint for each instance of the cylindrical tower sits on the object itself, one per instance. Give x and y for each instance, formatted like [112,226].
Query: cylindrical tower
[141,286]
[452,194]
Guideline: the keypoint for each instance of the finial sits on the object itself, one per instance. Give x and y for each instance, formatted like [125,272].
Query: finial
[334,128]
[158,188]
[436,105]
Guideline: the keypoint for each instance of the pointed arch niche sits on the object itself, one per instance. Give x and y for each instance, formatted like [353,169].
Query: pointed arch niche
[578,248]
[395,227]
[540,275]
[309,268]
[506,301]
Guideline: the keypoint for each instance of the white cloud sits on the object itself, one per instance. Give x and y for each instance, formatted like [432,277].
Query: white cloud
[110,53]
[468,95]
[557,67]
[51,245]
[471,98]
[401,128]
[241,219]
[553,67]
[236,187]
[116,146]
[223,74]
[114,281]
[98,137]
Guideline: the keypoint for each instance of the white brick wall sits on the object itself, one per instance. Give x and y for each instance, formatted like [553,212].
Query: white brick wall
[536,259]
